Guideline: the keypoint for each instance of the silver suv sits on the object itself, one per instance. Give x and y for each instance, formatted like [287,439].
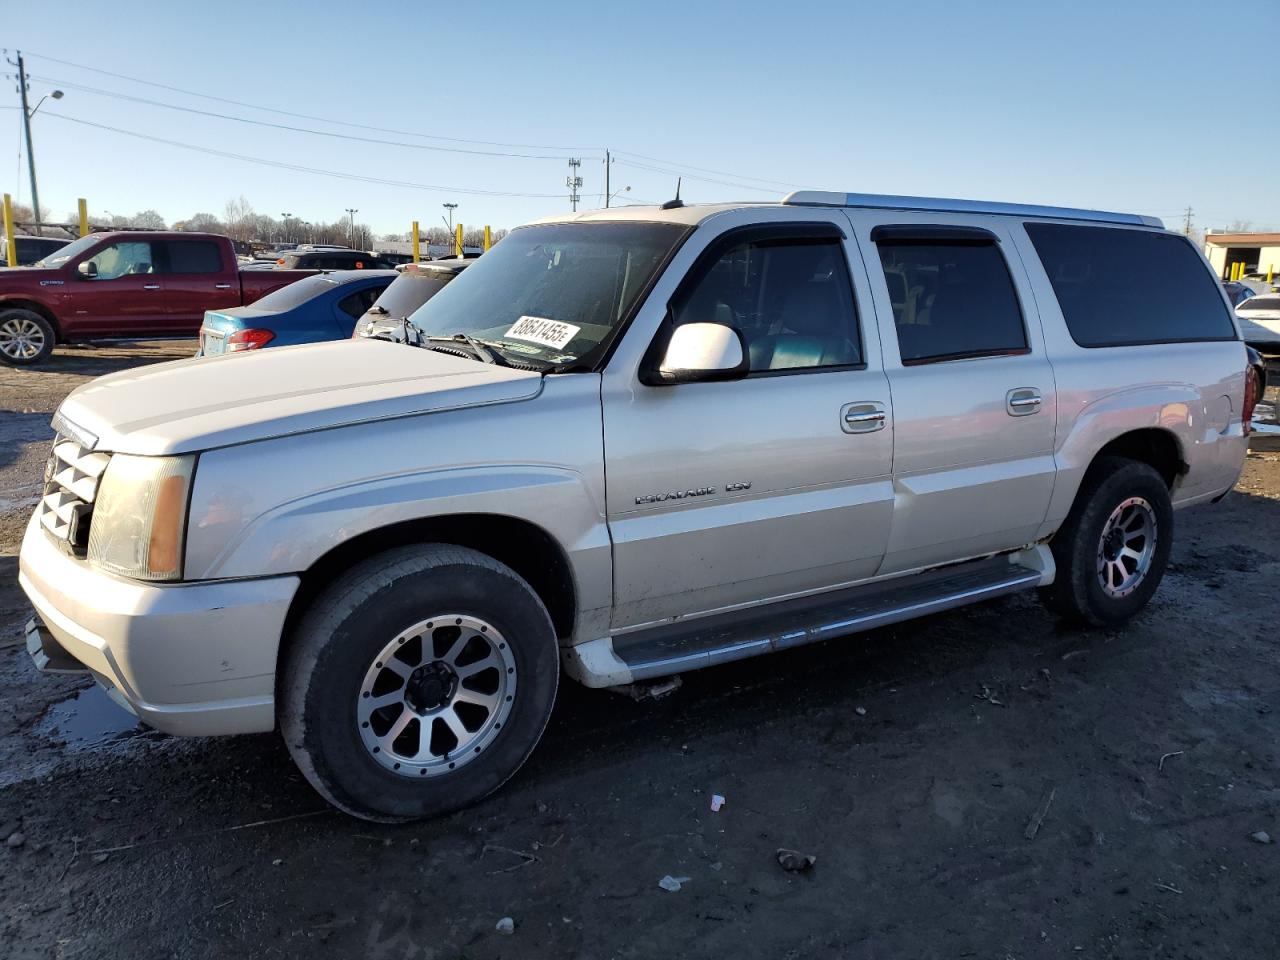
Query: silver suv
[626,444]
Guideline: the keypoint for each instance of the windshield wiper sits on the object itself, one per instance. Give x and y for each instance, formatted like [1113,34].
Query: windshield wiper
[481,349]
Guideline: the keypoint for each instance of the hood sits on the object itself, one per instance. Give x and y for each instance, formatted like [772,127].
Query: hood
[27,275]
[192,405]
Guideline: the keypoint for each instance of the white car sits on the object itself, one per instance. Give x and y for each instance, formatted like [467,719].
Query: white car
[625,444]
[1259,319]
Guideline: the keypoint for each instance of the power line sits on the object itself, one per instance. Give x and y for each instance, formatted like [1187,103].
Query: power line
[689,176]
[284,126]
[304,116]
[296,166]
[722,173]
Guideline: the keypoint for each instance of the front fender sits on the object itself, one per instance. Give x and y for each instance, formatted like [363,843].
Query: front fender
[275,507]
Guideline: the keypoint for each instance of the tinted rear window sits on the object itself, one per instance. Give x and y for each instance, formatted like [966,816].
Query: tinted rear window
[194,256]
[1261,303]
[409,291]
[296,293]
[1118,287]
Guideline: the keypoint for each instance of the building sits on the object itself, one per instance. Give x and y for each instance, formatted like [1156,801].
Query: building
[1259,252]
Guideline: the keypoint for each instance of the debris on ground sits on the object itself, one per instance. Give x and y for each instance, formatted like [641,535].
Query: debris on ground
[1260,837]
[673,884]
[860,711]
[988,696]
[276,862]
[1037,818]
[717,802]
[1160,767]
[795,862]
[505,925]
[649,691]
[16,839]
[101,857]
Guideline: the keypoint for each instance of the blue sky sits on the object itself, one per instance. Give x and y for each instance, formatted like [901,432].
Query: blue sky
[1110,105]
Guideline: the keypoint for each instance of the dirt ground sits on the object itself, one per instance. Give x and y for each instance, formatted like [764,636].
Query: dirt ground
[914,762]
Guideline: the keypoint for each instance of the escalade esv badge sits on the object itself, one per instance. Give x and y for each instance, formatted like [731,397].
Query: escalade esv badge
[698,492]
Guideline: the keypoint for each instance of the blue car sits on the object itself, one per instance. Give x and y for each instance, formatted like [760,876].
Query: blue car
[323,307]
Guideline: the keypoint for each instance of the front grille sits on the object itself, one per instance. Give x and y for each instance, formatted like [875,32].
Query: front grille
[70,487]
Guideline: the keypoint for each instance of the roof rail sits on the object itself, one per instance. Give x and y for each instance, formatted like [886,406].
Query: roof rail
[824,198]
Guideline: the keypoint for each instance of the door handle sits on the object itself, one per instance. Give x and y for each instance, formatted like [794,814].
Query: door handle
[862,417]
[222,286]
[151,286]
[1022,401]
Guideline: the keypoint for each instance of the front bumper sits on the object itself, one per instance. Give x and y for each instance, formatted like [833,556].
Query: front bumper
[193,659]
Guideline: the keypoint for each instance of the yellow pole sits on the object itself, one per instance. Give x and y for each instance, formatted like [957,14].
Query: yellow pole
[1234,268]
[1271,272]
[457,241]
[84,217]
[10,244]
[417,250]
[488,238]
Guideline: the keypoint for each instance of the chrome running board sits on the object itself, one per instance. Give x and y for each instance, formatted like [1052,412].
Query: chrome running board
[694,644]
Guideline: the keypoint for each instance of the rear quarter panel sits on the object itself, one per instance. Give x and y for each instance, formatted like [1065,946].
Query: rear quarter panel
[1192,390]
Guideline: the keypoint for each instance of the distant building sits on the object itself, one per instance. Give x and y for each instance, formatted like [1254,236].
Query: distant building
[1259,252]
[433,250]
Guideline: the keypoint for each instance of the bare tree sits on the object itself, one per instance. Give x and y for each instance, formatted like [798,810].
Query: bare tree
[239,218]
[204,223]
[149,220]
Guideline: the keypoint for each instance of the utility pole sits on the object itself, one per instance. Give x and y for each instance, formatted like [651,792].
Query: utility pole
[1186,228]
[351,211]
[287,235]
[26,126]
[573,182]
[607,162]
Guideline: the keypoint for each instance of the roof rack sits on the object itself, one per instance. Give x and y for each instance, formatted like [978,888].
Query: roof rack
[824,198]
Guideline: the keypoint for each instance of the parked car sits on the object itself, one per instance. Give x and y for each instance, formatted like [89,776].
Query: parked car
[125,284]
[1237,292]
[333,260]
[321,307]
[415,284]
[627,444]
[1259,319]
[30,249]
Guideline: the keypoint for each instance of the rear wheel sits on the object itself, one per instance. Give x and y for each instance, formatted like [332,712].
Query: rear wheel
[25,337]
[418,683]
[1112,551]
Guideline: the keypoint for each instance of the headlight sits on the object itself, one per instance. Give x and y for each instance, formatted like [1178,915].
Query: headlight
[140,517]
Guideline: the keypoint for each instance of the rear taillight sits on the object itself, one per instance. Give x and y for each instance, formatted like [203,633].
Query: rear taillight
[248,340]
[1250,398]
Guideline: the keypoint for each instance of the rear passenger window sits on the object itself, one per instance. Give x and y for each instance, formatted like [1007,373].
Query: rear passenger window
[194,256]
[951,300]
[356,304]
[1118,287]
[790,298]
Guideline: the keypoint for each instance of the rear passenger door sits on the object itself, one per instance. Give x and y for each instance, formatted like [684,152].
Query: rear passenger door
[196,280]
[726,494]
[973,390]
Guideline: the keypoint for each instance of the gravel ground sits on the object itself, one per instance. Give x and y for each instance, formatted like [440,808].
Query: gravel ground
[985,783]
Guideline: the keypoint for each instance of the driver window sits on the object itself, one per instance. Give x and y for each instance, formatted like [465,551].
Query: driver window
[792,301]
[122,260]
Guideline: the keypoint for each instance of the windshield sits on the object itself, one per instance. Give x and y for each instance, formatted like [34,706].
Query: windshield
[295,294]
[62,255]
[555,292]
[1260,303]
[410,290]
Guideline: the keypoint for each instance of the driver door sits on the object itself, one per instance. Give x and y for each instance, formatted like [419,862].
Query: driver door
[728,494]
[124,297]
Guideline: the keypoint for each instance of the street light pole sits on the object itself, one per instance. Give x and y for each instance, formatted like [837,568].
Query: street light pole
[27,114]
[287,234]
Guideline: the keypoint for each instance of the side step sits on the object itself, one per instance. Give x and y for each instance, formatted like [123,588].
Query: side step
[693,644]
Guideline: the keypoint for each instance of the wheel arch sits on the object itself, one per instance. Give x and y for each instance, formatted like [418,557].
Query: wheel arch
[35,306]
[525,547]
[1157,447]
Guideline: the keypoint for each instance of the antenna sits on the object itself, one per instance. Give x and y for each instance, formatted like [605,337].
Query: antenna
[573,182]
[677,202]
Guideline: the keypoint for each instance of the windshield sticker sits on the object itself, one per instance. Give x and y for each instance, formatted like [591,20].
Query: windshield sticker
[549,333]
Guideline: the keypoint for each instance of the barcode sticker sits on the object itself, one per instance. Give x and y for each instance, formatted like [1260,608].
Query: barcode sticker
[549,333]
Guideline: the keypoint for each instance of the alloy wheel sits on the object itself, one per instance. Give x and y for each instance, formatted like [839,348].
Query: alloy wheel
[1126,547]
[21,338]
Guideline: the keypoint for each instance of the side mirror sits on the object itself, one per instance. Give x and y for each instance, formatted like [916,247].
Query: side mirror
[88,269]
[700,352]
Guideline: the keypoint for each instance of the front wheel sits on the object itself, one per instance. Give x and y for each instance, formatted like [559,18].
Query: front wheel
[418,683]
[25,337]
[1112,551]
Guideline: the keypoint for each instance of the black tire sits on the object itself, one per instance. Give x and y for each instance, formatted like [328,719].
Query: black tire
[26,338]
[339,638]
[1077,592]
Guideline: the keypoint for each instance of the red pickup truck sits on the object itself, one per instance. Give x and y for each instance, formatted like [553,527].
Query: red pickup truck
[124,284]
